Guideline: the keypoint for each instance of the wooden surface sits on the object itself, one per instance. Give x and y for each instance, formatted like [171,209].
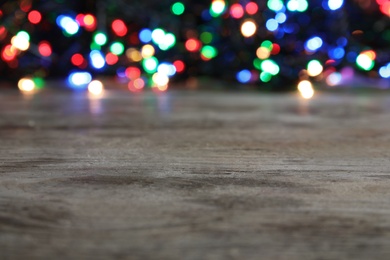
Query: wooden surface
[194,175]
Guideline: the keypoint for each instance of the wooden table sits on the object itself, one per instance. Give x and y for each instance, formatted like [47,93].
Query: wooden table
[194,175]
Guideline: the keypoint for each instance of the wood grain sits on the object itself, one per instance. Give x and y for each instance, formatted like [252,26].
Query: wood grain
[194,175]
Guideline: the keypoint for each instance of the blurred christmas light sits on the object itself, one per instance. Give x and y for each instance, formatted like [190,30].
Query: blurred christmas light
[89,22]
[306,90]
[136,85]
[314,68]
[9,53]
[150,64]
[251,8]
[206,37]
[263,53]
[248,28]
[100,38]
[237,11]
[119,27]
[160,79]
[217,7]
[384,71]
[168,41]
[179,65]
[158,35]
[145,35]
[244,76]
[79,79]
[95,87]
[272,25]
[3,32]
[77,59]
[111,58]
[275,5]
[97,59]
[265,76]
[281,17]
[193,45]
[270,66]
[34,17]
[335,4]
[26,85]
[21,41]
[313,44]
[44,48]
[167,69]
[297,5]
[178,8]
[147,51]
[133,72]
[208,52]
[117,48]
[69,25]
[334,79]
[365,62]
[133,54]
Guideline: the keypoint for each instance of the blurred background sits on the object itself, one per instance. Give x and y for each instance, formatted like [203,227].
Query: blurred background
[270,45]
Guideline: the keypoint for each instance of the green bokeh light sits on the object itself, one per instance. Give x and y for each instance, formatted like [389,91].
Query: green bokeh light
[178,8]
[265,76]
[117,48]
[39,82]
[206,37]
[209,52]
[267,44]
[100,38]
[150,64]
[364,62]
[270,66]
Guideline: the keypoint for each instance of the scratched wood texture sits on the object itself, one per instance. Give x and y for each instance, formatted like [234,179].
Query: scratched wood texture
[194,175]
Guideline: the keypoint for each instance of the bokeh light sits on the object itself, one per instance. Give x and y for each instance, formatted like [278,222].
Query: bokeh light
[178,8]
[26,85]
[248,28]
[34,17]
[95,87]
[306,89]
[45,49]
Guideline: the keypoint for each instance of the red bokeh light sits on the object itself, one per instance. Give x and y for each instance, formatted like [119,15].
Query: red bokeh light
[251,8]
[80,19]
[133,72]
[111,58]
[77,59]
[44,49]
[34,17]
[236,11]
[9,53]
[119,27]
[3,33]
[193,45]
[179,65]
[275,49]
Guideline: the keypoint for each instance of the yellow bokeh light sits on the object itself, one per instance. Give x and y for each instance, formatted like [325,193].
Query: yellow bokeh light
[147,51]
[314,68]
[160,79]
[263,53]
[26,85]
[20,43]
[133,55]
[306,89]
[248,28]
[95,87]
